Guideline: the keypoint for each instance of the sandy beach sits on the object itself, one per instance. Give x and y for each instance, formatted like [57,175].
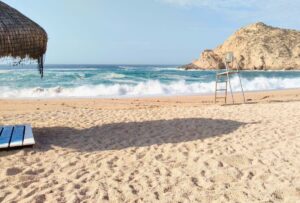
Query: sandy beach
[95,83]
[167,149]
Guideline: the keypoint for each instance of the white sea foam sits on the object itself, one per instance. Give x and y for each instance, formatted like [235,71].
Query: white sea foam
[263,83]
[5,71]
[113,76]
[148,88]
[165,68]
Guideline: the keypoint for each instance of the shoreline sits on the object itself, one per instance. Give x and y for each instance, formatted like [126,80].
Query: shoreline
[208,97]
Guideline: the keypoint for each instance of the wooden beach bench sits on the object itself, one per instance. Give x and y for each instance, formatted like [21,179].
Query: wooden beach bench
[16,136]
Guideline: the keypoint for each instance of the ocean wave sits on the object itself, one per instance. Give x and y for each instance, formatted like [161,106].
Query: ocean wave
[113,76]
[71,69]
[152,68]
[163,68]
[5,71]
[148,88]
[263,83]
[127,67]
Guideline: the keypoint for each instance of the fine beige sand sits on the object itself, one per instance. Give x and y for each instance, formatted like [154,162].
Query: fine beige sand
[171,149]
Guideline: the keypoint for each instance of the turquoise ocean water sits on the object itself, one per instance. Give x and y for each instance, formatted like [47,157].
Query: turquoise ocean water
[114,81]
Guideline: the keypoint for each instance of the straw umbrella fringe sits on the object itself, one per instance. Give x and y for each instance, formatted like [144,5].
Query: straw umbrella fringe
[20,37]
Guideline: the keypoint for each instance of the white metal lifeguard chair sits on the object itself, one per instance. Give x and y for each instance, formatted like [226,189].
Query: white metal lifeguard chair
[223,77]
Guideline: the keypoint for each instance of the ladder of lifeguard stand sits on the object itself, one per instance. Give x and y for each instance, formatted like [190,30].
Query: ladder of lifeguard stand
[224,77]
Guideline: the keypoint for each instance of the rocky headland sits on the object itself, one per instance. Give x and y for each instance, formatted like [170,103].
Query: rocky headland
[255,47]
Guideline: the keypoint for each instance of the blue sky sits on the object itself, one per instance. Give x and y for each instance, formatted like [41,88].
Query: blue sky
[147,31]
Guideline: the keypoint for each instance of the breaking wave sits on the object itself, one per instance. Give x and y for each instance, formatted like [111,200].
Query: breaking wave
[147,88]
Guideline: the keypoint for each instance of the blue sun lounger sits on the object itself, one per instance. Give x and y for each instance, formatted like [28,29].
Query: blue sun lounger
[16,136]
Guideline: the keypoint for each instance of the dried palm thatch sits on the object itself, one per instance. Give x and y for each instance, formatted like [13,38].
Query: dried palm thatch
[20,37]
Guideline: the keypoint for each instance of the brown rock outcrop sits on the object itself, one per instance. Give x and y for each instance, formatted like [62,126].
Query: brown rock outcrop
[256,47]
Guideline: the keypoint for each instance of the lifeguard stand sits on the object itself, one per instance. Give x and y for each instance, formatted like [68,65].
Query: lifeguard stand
[223,77]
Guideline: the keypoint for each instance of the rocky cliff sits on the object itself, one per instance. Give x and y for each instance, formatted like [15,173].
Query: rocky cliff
[255,47]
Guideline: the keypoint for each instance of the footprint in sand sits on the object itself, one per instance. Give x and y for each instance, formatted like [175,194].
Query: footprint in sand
[34,172]
[156,195]
[195,181]
[277,195]
[13,171]
[40,198]
[133,190]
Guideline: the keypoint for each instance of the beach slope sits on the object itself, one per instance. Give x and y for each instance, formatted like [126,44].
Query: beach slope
[180,149]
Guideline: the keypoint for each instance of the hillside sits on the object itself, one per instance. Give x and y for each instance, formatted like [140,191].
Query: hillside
[256,47]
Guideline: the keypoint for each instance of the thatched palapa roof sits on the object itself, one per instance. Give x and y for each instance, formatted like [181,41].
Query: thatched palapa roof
[20,37]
